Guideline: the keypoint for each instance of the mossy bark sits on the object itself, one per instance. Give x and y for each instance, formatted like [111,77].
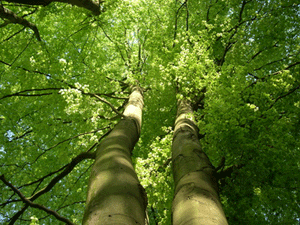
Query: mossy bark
[196,199]
[115,195]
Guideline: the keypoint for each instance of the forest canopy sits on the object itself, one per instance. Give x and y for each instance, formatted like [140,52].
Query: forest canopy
[67,69]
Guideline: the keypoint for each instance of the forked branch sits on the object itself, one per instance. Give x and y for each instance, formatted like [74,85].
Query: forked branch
[53,182]
[14,18]
[34,205]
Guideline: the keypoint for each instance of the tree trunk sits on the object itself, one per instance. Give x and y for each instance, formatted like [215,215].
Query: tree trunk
[115,195]
[196,199]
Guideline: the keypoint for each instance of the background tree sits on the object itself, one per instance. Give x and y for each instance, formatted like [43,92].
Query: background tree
[236,61]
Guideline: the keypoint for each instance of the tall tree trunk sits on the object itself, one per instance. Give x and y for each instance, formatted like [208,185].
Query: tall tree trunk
[196,199]
[115,195]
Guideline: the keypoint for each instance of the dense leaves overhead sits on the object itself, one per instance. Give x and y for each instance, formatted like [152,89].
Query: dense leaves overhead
[65,76]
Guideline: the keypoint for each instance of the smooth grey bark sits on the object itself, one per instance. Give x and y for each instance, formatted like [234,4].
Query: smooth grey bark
[196,200]
[115,195]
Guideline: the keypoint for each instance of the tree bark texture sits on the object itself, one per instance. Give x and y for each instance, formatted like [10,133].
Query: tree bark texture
[196,200]
[115,195]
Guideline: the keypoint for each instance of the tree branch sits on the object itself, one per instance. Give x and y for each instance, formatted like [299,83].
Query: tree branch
[242,10]
[226,50]
[275,73]
[34,205]
[23,135]
[69,85]
[261,51]
[208,11]
[20,93]
[87,4]
[25,95]
[187,16]
[9,202]
[106,102]
[282,96]
[228,171]
[176,21]
[12,35]
[14,18]
[115,43]
[68,168]
[235,28]
[61,142]
[43,178]
[27,70]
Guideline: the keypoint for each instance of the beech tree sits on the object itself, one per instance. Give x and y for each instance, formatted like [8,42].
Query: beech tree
[66,74]
[196,198]
[115,195]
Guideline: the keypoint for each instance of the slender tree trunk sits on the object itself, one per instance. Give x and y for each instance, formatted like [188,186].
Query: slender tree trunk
[115,195]
[196,199]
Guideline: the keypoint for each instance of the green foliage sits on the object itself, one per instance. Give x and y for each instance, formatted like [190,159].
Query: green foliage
[236,61]
[155,175]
